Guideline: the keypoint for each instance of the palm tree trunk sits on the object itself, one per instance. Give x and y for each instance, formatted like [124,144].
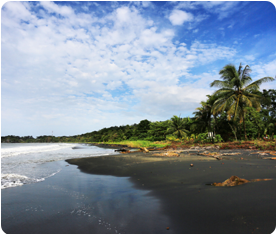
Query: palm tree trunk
[215,119]
[245,136]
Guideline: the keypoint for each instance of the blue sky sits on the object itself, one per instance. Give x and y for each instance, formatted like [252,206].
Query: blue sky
[76,67]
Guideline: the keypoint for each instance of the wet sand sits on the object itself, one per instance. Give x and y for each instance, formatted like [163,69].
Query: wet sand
[73,202]
[193,206]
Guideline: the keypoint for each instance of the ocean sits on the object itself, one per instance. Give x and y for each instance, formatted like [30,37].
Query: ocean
[42,193]
[21,162]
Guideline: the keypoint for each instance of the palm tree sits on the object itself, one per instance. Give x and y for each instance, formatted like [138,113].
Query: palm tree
[204,114]
[236,92]
[178,126]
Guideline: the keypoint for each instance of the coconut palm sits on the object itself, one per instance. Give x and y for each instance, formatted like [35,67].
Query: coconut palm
[204,114]
[178,126]
[236,92]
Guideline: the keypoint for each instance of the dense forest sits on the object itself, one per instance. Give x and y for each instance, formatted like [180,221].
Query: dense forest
[238,110]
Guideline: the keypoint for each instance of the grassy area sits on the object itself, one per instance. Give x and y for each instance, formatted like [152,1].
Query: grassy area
[141,143]
[253,144]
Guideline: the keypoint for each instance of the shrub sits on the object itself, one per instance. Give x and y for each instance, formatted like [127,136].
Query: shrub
[171,138]
[202,138]
[218,138]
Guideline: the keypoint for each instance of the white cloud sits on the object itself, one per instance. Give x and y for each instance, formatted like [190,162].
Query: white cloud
[54,8]
[74,70]
[221,8]
[123,14]
[262,70]
[249,57]
[178,17]
[147,4]
[17,10]
[185,5]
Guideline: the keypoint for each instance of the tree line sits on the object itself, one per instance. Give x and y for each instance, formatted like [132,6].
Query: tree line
[237,110]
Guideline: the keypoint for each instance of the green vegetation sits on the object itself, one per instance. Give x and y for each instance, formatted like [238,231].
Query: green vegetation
[178,126]
[237,111]
[234,96]
[141,143]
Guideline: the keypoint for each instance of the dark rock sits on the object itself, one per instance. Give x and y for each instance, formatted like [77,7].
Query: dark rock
[121,150]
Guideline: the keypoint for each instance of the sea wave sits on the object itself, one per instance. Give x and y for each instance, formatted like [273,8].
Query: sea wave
[26,163]
[14,180]
[30,149]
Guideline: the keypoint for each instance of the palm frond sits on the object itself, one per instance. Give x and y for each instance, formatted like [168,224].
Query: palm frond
[252,95]
[246,71]
[222,103]
[228,72]
[220,84]
[240,69]
[232,110]
[257,83]
[246,100]
[246,80]
[222,92]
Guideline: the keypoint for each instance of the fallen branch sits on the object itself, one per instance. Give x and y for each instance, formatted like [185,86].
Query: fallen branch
[235,180]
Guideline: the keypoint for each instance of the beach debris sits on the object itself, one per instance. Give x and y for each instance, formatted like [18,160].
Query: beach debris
[144,149]
[256,180]
[226,154]
[211,154]
[271,158]
[191,165]
[235,180]
[205,148]
[168,154]
[121,150]
[268,152]
[207,153]
[216,154]
[265,152]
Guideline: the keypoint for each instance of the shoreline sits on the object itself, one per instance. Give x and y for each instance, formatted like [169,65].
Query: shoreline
[194,206]
[75,202]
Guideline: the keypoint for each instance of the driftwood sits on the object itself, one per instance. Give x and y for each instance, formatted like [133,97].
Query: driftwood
[168,154]
[271,158]
[235,180]
[211,154]
[144,149]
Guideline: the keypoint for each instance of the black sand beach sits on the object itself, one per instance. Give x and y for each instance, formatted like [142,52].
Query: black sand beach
[142,193]
[74,202]
[193,206]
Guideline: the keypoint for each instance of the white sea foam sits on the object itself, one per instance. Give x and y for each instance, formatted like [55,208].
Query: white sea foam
[32,148]
[27,163]
[12,180]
